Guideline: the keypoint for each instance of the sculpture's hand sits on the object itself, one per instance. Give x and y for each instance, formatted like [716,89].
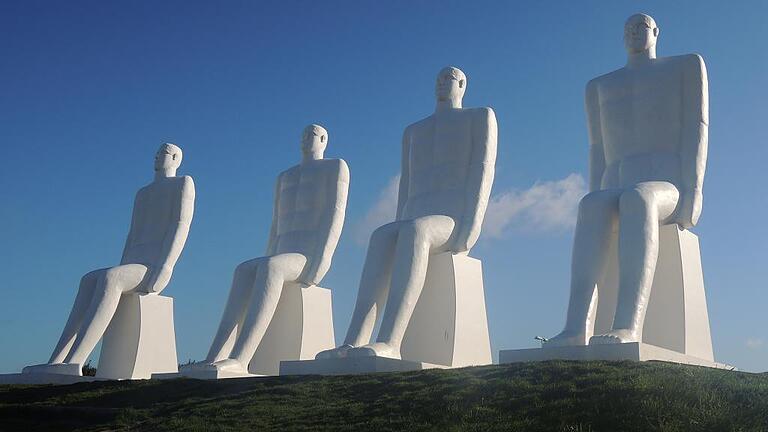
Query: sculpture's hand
[158,279]
[690,209]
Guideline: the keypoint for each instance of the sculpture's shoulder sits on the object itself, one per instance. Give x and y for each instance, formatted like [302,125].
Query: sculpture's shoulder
[187,185]
[594,84]
[691,63]
[336,167]
[289,172]
[484,115]
[424,123]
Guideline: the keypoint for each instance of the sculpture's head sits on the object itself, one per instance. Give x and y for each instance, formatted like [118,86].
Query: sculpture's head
[168,157]
[314,139]
[451,84]
[640,33]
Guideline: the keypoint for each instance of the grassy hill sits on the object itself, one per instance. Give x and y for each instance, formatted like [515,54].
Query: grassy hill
[549,396]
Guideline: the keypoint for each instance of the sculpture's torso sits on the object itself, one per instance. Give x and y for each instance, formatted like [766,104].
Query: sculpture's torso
[156,209]
[439,160]
[304,202]
[641,118]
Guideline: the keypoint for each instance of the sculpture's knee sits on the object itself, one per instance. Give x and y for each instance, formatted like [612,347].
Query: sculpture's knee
[636,201]
[414,232]
[594,204]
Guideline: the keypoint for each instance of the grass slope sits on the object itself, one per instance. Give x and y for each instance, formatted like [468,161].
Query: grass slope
[549,396]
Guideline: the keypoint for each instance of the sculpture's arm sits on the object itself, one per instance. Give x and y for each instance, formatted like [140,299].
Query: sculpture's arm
[131,234]
[175,238]
[272,241]
[694,136]
[402,192]
[596,152]
[332,224]
[479,180]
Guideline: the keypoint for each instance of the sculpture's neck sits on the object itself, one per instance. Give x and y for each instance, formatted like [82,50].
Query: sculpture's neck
[445,105]
[165,173]
[642,57]
[311,156]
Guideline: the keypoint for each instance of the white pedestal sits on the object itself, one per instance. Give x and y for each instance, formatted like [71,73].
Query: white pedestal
[448,329]
[449,325]
[301,327]
[140,339]
[676,324]
[352,366]
[636,351]
[677,317]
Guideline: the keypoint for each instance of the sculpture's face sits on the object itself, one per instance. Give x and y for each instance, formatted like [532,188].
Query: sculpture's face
[451,84]
[168,156]
[640,33]
[314,139]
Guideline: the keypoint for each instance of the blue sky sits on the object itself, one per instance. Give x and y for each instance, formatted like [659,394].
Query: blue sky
[90,89]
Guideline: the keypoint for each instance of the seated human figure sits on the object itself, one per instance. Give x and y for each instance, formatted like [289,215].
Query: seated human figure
[308,215]
[162,214]
[648,147]
[446,176]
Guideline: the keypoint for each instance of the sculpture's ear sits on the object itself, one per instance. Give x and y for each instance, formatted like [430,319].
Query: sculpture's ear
[656,32]
[322,138]
[461,83]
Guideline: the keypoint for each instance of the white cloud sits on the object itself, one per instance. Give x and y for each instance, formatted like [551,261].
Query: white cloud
[755,343]
[545,206]
[382,212]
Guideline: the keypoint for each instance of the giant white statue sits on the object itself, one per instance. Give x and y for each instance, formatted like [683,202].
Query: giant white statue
[162,214]
[310,203]
[648,149]
[447,171]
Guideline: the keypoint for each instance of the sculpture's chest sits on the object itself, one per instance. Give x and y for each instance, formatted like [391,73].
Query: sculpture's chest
[441,140]
[155,203]
[302,189]
[651,93]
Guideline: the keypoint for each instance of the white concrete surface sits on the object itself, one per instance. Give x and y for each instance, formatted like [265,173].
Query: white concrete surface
[447,169]
[162,214]
[308,215]
[648,135]
[140,340]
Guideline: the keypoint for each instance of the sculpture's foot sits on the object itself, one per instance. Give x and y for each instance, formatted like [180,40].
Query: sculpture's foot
[230,365]
[334,353]
[74,369]
[615,337]
[378,349]
[566,338]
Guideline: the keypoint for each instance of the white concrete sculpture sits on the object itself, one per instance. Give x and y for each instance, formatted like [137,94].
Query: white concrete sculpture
[447,171]
[648,148]
[162,214]
[310,203]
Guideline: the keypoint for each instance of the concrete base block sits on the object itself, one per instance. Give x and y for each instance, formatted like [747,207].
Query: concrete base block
[140,340]
[351,366]
[301,327]
[449,325]
[677,318]
[636,351]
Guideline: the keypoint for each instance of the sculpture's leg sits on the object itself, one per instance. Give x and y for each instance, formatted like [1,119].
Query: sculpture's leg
[111,285]
[374,284]
[641,210]
[234,313]
[83,299]
[271,275]
[598,212]
[416,241]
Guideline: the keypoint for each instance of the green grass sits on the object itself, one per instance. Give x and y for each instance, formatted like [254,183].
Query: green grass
[549,396]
